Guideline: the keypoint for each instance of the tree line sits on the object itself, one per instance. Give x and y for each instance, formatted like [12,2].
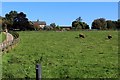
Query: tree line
[99,24]
[15,20]
[103,24]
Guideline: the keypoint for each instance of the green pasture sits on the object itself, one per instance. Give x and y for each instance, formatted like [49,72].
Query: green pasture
[63,55]
[2,37]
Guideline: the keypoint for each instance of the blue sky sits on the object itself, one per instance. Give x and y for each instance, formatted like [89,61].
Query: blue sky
[63,13]
[119,10]
[59,0]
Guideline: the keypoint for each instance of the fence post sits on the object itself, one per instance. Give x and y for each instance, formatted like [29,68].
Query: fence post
[38,72]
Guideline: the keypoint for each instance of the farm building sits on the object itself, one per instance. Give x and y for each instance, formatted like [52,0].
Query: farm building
[41,24]
[66,27]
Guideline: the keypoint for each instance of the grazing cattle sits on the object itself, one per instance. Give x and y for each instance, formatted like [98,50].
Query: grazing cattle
[109,36]
[81,35]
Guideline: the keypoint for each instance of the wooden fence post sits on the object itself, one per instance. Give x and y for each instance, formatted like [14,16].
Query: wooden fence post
[38,72]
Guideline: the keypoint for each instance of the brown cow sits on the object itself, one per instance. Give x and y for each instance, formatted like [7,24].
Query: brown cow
[81,35]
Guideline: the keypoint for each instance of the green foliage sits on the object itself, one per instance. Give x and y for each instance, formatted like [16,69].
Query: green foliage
[79,19]
[15,20]
[53,25]
[102,24]
[118,24]
[21,22]
[75,24]
[79,25]
[99,24]
[110,24]
[15,34]
[63,56]
[2,37]
[58,27]
[9,19]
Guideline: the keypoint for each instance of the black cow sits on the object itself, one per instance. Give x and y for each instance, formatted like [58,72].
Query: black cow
[109,36]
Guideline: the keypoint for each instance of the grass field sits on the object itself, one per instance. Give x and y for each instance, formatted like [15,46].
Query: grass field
[2,37]
[62,55]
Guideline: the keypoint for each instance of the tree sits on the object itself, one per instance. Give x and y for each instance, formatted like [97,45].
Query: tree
[79,19]
[0,23]
[5,24]
[15,20]
[53,25]
[96,24]
[110,24]
[75,24]
[58,27]
[84,25]
[78,24]
[103,23]
[9,18]
[99,24]
[21,22]
[118,24]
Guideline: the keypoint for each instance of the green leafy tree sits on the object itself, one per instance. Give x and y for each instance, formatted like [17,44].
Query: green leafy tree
[75,25]
[5,24]
[96,24]
[79,19]
[53,25]
[9,19]
[15,20]
[21,22]
[0,23]
[110,24]
[118,24]
[103,23]
[84,25]
[58,27]
[78,24]
[99,24]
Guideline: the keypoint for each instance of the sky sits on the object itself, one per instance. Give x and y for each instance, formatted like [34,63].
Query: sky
[63,13]
[59,0]
[118,10]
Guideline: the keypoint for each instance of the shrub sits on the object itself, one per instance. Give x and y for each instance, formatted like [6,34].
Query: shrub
[15,34]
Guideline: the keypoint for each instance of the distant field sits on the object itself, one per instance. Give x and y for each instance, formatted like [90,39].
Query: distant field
[62,55]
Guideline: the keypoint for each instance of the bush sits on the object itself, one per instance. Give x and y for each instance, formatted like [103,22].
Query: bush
[15,34]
